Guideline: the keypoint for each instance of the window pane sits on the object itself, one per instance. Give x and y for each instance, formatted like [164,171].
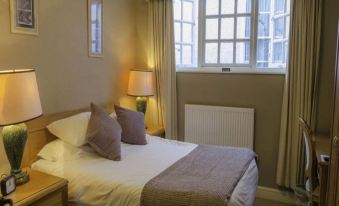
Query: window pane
[187,11]
[187,33]
[211,53]
[227,6]
[177,54]
[279,6]
[243,27]
[212,28]
[263,50]
[264,25]
[244,6]
[177,31]
[212,7]
[262,64]
[242,52]
[264,5]
[278,54]
[186,55]
[227,28]
[226,53]
[177,9]
[279,25]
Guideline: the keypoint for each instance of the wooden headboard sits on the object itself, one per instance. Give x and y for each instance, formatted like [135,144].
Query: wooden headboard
[38,135]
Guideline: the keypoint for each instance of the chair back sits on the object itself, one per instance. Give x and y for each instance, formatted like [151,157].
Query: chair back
[311,164]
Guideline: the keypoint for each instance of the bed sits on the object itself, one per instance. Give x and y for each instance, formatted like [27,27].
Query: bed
[94,180]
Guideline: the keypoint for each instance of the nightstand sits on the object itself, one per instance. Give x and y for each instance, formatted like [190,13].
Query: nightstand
[41,190]
[158,131]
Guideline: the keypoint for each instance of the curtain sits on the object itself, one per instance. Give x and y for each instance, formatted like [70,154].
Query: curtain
[161,58]
[300,89]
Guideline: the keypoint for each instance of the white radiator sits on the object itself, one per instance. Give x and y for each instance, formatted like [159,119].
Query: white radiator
[215,125]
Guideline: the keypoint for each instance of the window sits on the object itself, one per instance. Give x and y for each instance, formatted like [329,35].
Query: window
[227,32]
[232,33]
[273,26]
[185,28]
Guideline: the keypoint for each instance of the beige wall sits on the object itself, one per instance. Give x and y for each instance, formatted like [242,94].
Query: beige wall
[66,76]
[327,64]
[262,92]
[142,32]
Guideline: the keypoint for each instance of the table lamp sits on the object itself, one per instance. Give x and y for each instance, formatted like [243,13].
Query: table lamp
[19,102]
[140,85]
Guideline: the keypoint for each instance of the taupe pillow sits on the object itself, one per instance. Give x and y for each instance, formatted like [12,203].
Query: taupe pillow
[104,134]
[133,126]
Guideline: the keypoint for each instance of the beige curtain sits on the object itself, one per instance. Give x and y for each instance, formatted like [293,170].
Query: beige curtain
[300,89]
[163,106]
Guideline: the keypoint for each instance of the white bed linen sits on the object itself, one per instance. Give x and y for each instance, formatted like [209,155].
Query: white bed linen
[98,181]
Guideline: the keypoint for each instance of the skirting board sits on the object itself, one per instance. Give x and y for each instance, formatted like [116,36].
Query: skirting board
[275,195]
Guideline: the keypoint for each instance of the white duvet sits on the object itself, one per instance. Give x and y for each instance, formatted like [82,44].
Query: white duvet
[98,181]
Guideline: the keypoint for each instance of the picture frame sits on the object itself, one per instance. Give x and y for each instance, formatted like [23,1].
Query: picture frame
[24,16]
[95,28]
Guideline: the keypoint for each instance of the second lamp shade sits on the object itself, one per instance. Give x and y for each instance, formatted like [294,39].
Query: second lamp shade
[140,83]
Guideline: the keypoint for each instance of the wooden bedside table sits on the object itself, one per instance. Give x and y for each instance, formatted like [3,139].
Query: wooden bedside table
[41,190]
[159,132]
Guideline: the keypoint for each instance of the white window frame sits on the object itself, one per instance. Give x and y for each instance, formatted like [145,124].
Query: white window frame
[235,68]
[182,43]
[284,39]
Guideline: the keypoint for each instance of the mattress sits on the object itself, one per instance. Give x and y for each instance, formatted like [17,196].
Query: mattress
[94,180]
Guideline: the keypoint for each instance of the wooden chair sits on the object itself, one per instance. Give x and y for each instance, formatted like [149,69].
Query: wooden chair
[311,177]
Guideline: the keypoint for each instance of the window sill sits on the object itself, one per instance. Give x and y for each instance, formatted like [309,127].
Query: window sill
[233,71]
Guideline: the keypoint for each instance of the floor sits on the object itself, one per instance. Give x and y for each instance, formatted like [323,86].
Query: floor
[263,202]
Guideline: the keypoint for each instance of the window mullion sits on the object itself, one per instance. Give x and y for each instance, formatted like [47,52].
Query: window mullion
[219,32]
[235,31]
[201,35]
[272,10]
[254,27]
[181,33]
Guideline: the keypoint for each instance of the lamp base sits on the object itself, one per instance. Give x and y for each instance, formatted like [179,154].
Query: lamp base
[20,177]
[14,138]
[141,104]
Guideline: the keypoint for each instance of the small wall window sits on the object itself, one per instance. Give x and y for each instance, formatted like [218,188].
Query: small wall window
[95,28]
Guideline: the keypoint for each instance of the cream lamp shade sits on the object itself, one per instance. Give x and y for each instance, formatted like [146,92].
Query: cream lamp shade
[140,83]
[19,97]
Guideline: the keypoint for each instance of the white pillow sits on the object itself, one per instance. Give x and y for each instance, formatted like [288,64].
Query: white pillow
[71,129]
[59,150]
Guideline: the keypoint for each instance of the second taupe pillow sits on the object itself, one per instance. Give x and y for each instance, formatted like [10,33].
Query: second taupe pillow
[104,134]
[133,126]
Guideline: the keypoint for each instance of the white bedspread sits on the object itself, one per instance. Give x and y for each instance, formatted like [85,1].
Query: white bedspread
[98,181]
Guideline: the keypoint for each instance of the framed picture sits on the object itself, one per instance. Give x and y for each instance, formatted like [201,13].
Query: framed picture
[95,28]
[24,16]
